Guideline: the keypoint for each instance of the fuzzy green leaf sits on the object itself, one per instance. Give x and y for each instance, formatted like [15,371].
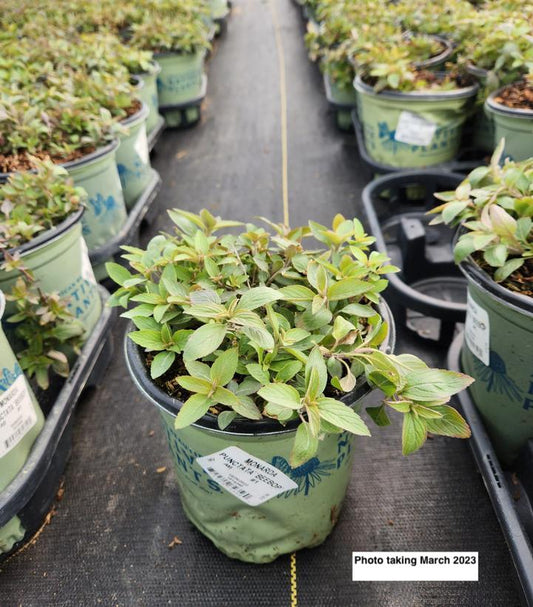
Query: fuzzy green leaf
[161,363]
[304,447]
[257,297]
[204,341]
[281,394]
[192,410]
[224,367]
[413,433]
[342,416]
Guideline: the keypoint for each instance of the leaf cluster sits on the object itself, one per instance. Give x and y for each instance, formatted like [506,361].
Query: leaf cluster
[266,328]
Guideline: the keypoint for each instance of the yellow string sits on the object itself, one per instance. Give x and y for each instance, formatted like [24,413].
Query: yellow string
[283,109]
[294,588]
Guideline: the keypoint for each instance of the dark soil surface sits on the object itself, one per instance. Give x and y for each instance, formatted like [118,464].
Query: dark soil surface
[518,96]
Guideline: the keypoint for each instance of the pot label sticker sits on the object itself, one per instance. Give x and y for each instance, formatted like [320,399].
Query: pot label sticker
[414,129]
[248,478]
[17,415]
[86,267]
[477,331]
[141,146]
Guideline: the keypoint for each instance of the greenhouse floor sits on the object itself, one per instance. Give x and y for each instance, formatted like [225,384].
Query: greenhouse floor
[118,536]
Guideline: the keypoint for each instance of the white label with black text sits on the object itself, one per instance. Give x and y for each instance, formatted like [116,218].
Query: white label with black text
[415,566]
[414,129]
[17,415]
[248,478]
[477,331]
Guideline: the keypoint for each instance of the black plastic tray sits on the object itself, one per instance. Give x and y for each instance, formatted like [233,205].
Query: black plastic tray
[186,122]
[429,285]
[154,135]
[510,491]
[467,161]
[31,494]
[129,233]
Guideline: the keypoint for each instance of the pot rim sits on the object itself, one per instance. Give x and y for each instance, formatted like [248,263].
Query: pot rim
[199,51]
[139,115]
[516,301]
[479,72]
[98,153]
[436,59]
[49,236]
[499,108]
[241,427]
[461,93]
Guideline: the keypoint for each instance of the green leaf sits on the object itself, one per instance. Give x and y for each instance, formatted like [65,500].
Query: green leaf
[117,272]
[379,415]
[225,418]
[413,433]
[246,407]
[278,412]
[198,369]
[260,336]
[224,367]
[225,397]
[281,394]
[312,322]
[297,293]
[341,328]
[204,341]
[357,309]
[495,255]
[450,424]
[313,418]
[148,339]
[194,384]
[348,287]
[304,447]
[257,297]
[161,363]
[342,416]
[288,371]
[434,384]
[258,373]
[508,268]
[316,374]
[192,410]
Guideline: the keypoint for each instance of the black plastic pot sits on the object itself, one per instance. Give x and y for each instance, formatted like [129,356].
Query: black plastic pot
[510,491]
[429,285]
[31,494]
[468,159]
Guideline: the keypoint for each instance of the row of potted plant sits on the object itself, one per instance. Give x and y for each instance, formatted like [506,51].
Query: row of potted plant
[415,68]
[74,108]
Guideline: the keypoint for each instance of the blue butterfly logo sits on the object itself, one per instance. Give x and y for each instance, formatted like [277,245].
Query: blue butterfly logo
[307,475]
[7,377]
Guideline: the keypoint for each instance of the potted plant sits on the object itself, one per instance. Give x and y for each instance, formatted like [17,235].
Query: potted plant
[255,349]
[22,420]
[41,238]
[410,117]
[495,252]
[510,109]
[179,45]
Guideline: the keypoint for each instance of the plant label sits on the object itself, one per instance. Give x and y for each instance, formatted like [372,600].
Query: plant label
[477,331]
[17,415]
[86,267]
[248,478]
[414,129]
[141,146]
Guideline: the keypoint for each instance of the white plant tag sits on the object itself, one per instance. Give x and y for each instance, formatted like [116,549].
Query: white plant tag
[141,146]
[17,415]
[248,478]
[414,129]
[86,267]
[477,331]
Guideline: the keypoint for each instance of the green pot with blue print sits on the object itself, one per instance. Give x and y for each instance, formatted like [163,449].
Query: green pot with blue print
[181,81]
[513,124]
[237,486]
[22,421]
[147,93]
[414,129]
[342,99]
[59,260]
[106,211]
[498,353]
[133,156]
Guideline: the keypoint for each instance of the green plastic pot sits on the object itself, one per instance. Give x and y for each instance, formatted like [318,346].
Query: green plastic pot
[343,100]
[60,262]
[180,79]
[431,124]
[148,94]
[498,353]
[516,125]
[133,157]
[300,517]
[106,212]
[22,420]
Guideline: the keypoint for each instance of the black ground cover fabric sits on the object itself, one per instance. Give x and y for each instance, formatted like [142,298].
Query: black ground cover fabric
[108,543]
